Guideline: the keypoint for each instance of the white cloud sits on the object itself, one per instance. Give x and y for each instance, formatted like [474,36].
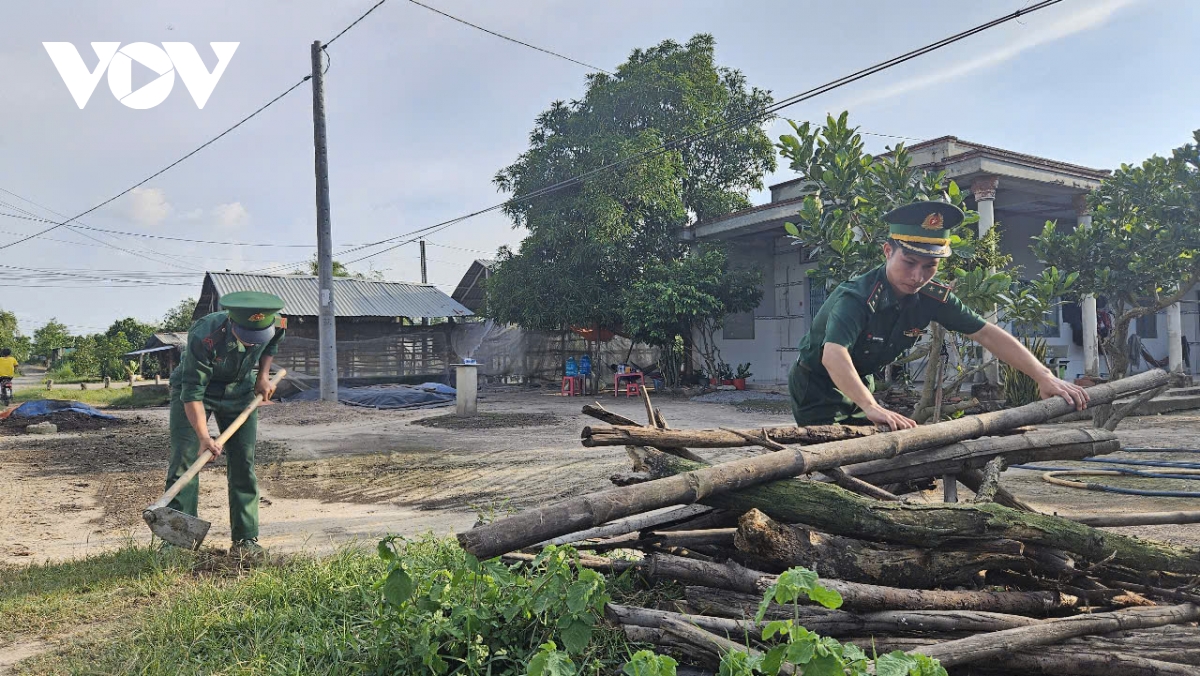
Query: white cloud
[1090,15]
[230,215]
[148,206]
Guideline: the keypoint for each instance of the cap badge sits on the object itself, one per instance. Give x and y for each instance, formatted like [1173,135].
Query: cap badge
[932,222]
[257,317]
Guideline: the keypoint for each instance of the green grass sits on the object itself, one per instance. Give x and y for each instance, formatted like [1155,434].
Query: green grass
[41,600]
[150,613]
[115,397]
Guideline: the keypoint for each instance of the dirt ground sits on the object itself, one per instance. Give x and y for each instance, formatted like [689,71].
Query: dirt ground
[332,474]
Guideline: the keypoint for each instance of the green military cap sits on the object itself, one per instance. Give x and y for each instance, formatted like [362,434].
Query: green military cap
[253,314]
[924,227]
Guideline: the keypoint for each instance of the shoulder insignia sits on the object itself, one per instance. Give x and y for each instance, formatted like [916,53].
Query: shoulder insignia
[936,290]
[874,296]
[283,323]
[210,341]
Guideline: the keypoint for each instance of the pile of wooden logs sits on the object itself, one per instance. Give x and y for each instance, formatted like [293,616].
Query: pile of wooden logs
[987,587]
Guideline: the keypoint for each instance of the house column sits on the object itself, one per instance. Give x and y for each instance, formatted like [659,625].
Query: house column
[1174,344]
[1091,337]
[984,189]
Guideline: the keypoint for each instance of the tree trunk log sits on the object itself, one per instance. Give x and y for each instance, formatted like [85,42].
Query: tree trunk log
[718,438]
[721,537]
[601,413]
[838,512]
[1034,446]
[855,596]
[973,479]
[544,523]
[1138,519]
[1074,663]
[995,644]
[991,481]
[631,524]
[709,601]
[712,643]
[784,546]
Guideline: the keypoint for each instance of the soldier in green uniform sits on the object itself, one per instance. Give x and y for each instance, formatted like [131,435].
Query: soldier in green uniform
[226,362]
[867,322]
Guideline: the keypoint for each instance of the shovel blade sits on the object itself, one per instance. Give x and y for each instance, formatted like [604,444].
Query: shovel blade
[177,528]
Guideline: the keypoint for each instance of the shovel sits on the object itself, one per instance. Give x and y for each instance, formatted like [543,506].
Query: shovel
[183,530]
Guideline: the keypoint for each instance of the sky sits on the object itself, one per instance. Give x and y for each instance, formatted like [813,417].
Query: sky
[422,111]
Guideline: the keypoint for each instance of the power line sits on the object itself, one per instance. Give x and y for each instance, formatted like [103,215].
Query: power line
[160,172]
[738,122]
[583,63]
[204,145]
[514,40]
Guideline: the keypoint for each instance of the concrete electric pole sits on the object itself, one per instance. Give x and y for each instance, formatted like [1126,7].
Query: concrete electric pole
[327,331]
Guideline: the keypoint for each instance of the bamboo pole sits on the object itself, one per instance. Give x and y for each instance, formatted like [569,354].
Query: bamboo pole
[996,644]
[543,523]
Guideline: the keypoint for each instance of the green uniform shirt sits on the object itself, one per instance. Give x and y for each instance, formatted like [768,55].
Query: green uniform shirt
[865,316]
[216,365]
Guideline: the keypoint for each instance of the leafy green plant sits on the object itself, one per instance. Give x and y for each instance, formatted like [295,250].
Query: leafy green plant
[1020,389]
[724,372]
[743,371]
[808,652]
[648,663]
[485,617]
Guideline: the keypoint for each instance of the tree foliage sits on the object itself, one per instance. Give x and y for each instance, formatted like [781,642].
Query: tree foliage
[691,295]
[135,333]
[312,268]
[1142,249]
[587,242]
[52,335]
[11,338]
[179,318]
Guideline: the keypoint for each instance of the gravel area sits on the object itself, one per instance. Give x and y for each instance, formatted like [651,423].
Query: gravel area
[309,413]
[738,397]
[479,421]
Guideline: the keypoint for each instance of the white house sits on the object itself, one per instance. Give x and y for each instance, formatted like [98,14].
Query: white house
[1019,191]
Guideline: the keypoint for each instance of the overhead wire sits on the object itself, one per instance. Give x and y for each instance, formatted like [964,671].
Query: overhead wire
[202,146]
[736,122]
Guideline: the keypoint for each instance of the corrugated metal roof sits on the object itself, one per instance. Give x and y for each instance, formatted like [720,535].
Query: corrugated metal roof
[351,297]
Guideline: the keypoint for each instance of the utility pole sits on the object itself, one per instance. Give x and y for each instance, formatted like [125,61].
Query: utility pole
[326,329]
[424,279]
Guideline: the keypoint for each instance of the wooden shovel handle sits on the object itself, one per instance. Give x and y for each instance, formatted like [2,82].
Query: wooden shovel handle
[207,455]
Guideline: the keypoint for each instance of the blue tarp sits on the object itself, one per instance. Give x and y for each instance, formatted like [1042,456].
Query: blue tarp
[425,395]
[32,409]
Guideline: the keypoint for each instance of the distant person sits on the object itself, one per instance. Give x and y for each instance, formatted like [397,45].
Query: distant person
[870,320]
[8,371]
[227,360]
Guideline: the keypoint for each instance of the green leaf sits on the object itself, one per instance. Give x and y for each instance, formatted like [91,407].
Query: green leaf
[576,636]
[385,551]
[824,665]
[829,598]
[774,627]
[895,664]
[577,597]
[953,191]
[397,587]
[791,229]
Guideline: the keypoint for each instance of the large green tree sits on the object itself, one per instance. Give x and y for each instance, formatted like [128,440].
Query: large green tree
[11,338]
[690,296]
[179,318]
[587,242]
[135,332]
[1142,249]
[53,334]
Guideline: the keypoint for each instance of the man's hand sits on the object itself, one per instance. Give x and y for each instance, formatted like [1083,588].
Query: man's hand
[1051,386]
[263,387]
[881,416]
[207,443]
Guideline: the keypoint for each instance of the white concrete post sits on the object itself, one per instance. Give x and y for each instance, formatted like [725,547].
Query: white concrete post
[1091,335]
[984,189]
[1174,344]
[1091,338]
[466,399]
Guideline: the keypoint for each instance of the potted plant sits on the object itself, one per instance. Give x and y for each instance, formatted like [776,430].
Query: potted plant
[725,374]
[739,378]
